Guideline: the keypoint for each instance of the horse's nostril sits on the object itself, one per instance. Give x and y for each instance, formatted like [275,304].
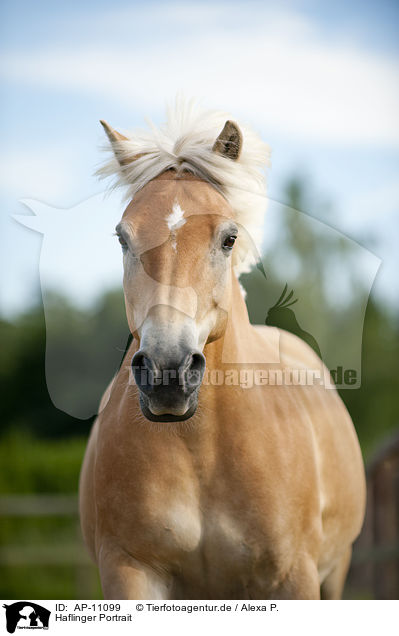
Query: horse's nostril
[194,368]
[144,371]
[141,361]
[197,362]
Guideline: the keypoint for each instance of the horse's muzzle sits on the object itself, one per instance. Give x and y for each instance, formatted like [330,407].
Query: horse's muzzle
[168,389]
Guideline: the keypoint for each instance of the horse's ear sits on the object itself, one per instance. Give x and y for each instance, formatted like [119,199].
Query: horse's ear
[229,142]
[112,134]
[115,138]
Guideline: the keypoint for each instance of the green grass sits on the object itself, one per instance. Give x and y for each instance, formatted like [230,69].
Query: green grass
[49,582]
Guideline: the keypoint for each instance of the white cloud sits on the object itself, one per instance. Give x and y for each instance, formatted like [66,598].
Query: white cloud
[277,69]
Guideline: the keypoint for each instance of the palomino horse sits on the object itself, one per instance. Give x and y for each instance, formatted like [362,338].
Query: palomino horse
[194,486]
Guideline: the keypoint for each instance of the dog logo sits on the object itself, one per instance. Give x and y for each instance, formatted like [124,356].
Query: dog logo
[26,615]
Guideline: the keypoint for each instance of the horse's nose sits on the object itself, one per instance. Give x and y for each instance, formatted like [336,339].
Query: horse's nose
[159,376]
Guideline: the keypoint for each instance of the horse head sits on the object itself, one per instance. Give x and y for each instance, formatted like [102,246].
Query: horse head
[177,235]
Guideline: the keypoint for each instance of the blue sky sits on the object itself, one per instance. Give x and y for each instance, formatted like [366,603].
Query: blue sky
[318,80]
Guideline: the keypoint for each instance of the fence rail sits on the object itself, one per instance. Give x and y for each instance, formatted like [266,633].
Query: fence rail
[60,551]
[72,553]
[39,506]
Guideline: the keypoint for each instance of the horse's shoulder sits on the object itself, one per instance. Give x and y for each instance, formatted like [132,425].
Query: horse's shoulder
[292,349]
[292,346]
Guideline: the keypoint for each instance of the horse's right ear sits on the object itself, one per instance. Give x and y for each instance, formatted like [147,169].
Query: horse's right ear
[116,138]
[112,134]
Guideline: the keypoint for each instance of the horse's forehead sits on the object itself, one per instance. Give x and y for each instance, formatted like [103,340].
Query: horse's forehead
[159,198]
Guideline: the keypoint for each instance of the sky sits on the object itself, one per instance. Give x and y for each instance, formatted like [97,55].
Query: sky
[317,80]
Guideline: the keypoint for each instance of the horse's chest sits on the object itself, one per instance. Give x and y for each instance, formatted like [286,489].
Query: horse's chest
[179,525]
[213,553]
[189,532]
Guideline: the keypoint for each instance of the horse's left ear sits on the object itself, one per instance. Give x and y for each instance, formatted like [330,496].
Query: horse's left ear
[229,142]
[116,138]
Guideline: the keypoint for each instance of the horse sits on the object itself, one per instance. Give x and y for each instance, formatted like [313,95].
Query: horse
[194,485]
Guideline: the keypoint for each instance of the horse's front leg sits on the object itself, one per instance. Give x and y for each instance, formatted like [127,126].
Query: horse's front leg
[123,577]
[301,583]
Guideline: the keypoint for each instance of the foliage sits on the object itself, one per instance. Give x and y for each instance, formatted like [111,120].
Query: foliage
[26,404]
[29,464]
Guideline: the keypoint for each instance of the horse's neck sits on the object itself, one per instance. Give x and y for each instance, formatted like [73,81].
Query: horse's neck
[238,332]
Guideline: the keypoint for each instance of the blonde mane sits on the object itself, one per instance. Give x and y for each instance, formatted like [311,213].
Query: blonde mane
[185,142]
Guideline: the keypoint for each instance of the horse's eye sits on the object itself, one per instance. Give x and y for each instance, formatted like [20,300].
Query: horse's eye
[122,242]
[229,241]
